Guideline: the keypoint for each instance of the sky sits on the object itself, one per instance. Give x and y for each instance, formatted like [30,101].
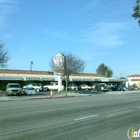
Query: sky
[97,31]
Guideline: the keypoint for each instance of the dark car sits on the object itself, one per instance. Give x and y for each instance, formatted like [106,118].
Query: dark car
[121,88]
[112,87]
[101,87]
[72,87]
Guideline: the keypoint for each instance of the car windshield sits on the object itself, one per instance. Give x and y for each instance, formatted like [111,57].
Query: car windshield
[14,86]
[29,88]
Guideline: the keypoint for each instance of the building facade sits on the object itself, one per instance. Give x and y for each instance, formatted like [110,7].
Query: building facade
[133,79]
[24,77]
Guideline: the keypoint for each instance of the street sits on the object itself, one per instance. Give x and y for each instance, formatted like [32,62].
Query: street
[101,117]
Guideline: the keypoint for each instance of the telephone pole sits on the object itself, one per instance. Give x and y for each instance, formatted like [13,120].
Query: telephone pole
[31,64]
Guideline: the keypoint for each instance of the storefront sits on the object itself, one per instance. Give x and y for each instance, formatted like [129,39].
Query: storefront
[4,80]
[24,77]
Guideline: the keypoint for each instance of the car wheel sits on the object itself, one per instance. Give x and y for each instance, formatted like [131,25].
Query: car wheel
[46,89]
[37,90]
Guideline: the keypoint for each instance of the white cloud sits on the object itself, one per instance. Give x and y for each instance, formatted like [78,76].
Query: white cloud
[62,34]
[102,34]
[87,7]
[7,7]
[105,34]
[9,1]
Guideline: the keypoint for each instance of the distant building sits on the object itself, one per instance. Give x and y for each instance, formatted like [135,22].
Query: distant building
[133,79]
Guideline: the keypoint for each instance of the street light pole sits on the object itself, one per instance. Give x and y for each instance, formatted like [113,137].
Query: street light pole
[31,64]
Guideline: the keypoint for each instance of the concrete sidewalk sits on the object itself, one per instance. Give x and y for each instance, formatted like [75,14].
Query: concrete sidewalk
[33,97]
[122,92]
[62,95]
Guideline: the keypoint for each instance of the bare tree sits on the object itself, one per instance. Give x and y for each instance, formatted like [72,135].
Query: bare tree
[4,56]
[72,64]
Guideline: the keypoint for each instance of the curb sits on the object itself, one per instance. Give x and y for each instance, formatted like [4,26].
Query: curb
[52,97]
[33,98]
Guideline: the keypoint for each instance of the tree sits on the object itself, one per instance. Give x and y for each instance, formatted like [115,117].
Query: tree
[72,64]
[104,70]
[136,9]
[122,77]
[4,56]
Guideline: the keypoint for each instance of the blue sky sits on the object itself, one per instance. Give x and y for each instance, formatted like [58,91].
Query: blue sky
[98,31]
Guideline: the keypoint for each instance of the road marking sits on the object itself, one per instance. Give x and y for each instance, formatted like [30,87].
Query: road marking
[86,117]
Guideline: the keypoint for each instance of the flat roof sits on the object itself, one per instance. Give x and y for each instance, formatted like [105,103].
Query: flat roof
[10,71]
[134,75]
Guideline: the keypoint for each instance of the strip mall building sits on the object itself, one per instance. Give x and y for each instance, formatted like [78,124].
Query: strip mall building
[24,77]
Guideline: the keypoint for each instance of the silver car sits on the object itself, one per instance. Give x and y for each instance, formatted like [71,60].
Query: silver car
[37,86]
[72,87]
[29,91]
[13,89]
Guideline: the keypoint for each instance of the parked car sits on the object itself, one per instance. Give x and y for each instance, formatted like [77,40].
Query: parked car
[13,89]
[121,88]
[52,86]
[29,90]
[101,87]
[133,87]
[112,87]
[84,86]
[72,87]
[37,86]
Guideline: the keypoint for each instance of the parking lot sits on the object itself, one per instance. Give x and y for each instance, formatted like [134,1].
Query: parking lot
[47,93]
[88,92]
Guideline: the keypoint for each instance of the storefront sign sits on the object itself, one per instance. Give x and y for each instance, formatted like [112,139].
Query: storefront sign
[10,78]
[96,79]
[58,62]
[32,78]
[87,79]
[112,80]
[77,79]
[105,80]
[48,79]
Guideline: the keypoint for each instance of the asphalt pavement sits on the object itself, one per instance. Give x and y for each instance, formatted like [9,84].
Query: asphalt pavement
[101,117]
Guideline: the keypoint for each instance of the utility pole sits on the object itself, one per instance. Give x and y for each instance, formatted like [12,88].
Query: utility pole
[120,75]
[31,64]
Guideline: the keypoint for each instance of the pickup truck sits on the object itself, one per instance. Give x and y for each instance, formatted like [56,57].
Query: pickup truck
[52,87]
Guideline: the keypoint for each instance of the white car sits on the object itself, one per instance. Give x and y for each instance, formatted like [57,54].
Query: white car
[29,90]
[52,86]
[84,86]
[37,86]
